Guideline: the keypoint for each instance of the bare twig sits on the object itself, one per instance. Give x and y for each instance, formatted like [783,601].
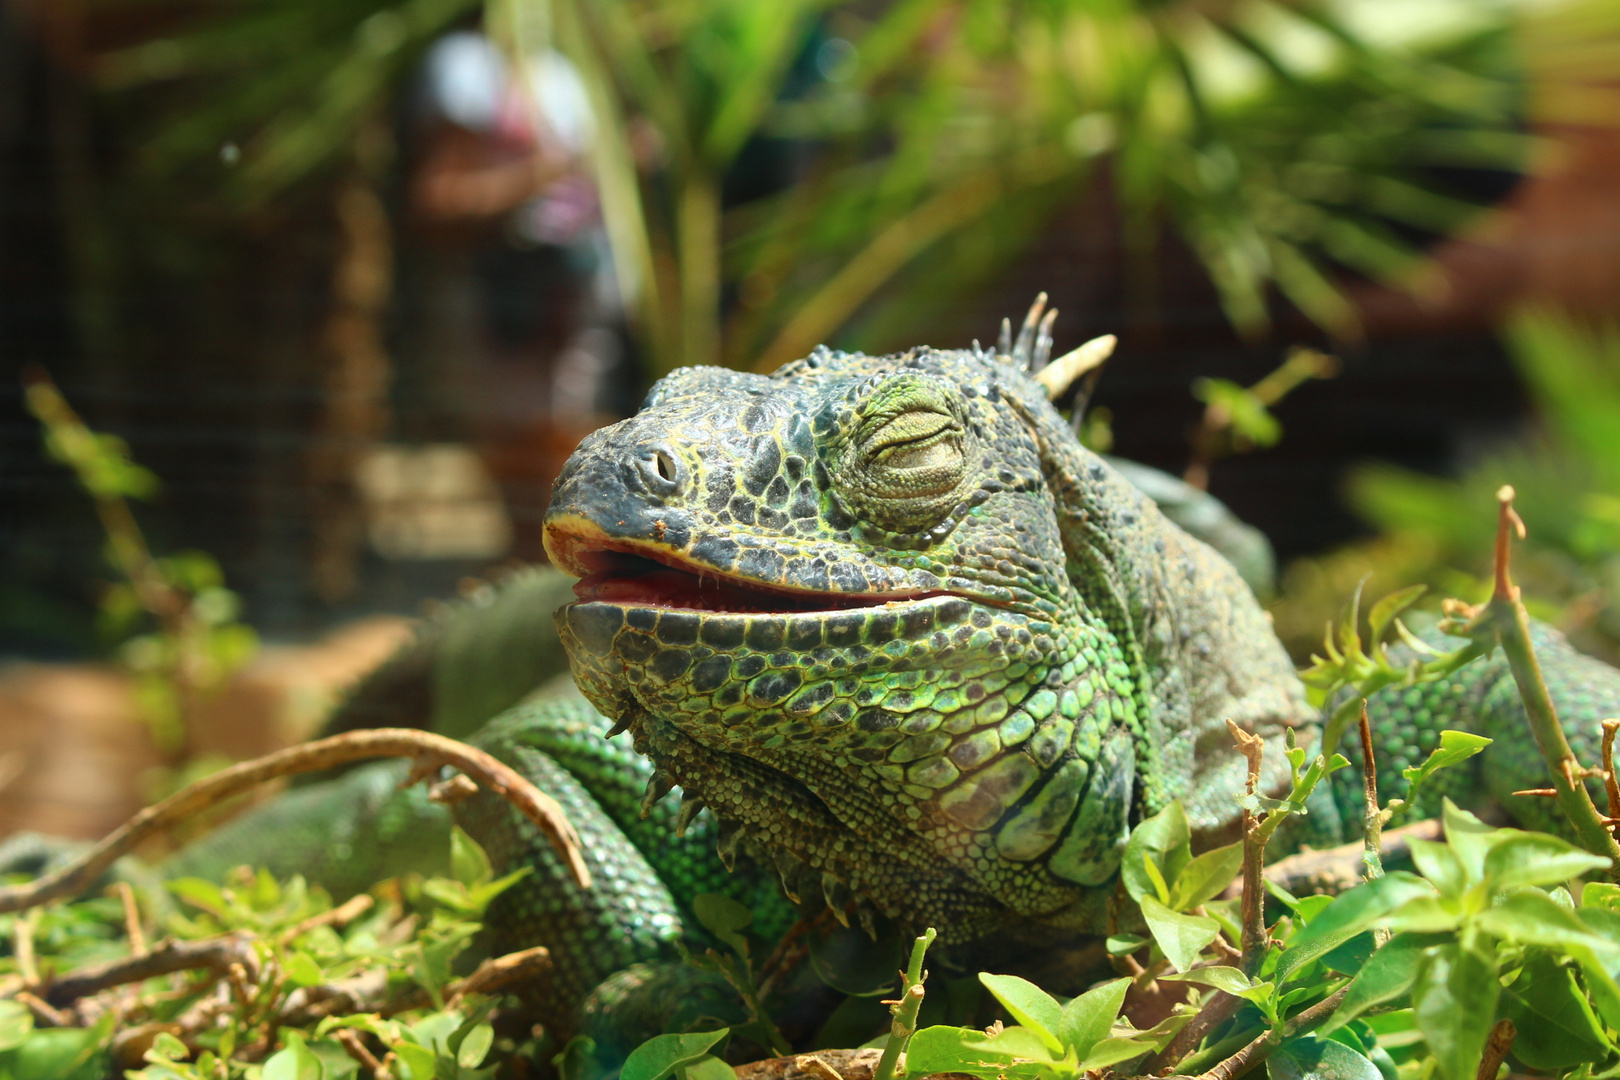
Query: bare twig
[500,971]
[217,953]
[1217,1011]
[342,915]
[44,1012]
[1373,822]
[1255,939]
[430,752]
[22,946]
[1610,785]
[1263,1046]
[132,918]
[350,1041]
[1496,1049]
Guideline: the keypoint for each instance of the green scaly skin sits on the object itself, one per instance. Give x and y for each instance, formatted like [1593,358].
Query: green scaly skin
[896,638]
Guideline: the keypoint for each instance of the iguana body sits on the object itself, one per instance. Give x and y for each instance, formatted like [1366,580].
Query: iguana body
[910,646]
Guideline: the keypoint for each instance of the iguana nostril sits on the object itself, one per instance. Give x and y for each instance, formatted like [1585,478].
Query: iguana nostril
[663,472]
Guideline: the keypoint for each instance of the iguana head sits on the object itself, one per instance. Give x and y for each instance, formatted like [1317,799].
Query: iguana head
[836,606]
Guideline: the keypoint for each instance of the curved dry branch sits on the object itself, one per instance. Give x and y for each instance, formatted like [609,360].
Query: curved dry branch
[429,751]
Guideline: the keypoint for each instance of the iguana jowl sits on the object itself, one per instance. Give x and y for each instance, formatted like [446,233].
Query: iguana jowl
[896,636]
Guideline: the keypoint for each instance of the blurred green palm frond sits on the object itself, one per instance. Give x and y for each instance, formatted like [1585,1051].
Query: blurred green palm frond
[1286,141]
[284,85]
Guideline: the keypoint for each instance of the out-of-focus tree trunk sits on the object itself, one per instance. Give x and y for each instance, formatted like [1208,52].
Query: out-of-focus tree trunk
[355,376]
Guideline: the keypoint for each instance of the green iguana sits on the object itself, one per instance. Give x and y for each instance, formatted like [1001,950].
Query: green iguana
[904,647]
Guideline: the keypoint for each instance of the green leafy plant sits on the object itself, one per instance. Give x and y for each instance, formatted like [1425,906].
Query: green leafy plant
[277,982]
[189,640]
[728,921]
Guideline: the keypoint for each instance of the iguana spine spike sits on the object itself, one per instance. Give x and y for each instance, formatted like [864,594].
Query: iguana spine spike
[1061,374]
[1043,342]
[658,785]
[1004,339]
[691,807]
[619,728]
[837,895]
[726,845]
[788,868]
[1024,348]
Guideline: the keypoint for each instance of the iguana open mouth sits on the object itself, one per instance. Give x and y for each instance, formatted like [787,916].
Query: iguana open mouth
[657,579]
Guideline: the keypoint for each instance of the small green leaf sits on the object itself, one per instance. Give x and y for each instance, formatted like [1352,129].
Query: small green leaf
[1454,1002]
[1455,747]
[1601,894]
[1531,917]
[1470,837]
[15,1024]
[295,1061]
[1227,979]
[723,917]
[1166,840]
[1031,1006]
[1087,1019]
[1529,858]
[1349,914]
[708,1067]
[468,863]
[1424,915]
[475,1046]
[1384,612]
[1114,1050]
[577,1060]
[1440,864]
[303,970]
[661,1055]
[942,1049]
[1205,876]
[1557,1028]
[1311,1058]
[1180,937]
[1387,974]
[1125,944]
[420,1061]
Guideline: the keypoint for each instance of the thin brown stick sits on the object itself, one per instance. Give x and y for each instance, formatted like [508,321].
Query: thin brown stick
[1255,940]
[1262,1047]
[500,971]
[132,918]
[1217,1011]
[217,954]
[1496,1049]
[430,751]
[22,947]
[1610,784]
[350,1041]
[44,1012]
[342,915]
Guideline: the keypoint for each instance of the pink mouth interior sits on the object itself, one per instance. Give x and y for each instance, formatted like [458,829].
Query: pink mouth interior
[622,578]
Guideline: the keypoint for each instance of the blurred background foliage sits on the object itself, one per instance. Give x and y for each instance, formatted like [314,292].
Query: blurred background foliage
[210,234]
[1281,140]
